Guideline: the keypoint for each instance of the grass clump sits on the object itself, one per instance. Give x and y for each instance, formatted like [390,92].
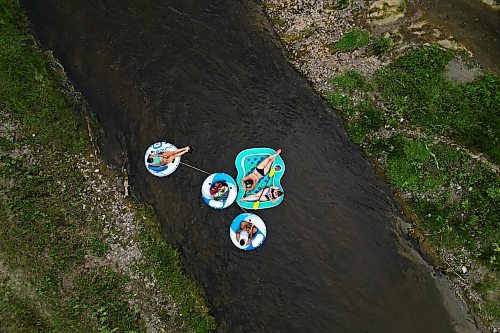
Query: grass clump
[352,40]
[415,88]
[381,45]
[350,81]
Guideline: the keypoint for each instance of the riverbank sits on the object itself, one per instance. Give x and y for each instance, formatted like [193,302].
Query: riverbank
[76,253]
[424,113]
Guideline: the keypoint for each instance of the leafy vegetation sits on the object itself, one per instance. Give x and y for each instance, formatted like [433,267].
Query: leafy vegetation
[381,45]
[415,88]
[351,40]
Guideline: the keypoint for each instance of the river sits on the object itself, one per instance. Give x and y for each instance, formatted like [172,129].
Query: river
[209,74]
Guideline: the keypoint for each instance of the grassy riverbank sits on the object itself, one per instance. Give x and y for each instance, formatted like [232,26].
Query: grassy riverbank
[437,144]
[434,140]
[75,255]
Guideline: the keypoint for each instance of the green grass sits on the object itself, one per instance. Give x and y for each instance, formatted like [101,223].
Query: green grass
[350,81]
[381,45]
[46,233]
[415,88]
[363,118]
[351,40]
[308,31]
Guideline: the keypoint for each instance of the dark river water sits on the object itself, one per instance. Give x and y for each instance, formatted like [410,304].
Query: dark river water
[208,74]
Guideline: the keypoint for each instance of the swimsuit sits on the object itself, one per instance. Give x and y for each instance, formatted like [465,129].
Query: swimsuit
[156,160]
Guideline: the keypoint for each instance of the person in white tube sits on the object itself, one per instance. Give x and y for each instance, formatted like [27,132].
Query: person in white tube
[246,232]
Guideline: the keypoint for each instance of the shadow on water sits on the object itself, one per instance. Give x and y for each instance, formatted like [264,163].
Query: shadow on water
[208,74]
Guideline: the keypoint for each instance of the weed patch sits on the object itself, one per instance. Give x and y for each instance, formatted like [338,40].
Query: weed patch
[351,40]
[415,88]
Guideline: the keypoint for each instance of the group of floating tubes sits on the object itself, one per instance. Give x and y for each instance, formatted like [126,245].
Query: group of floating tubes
[257,186]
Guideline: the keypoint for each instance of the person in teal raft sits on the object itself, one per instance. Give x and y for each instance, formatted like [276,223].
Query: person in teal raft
[272,194]
[245,234]
[250,181]
[166,157]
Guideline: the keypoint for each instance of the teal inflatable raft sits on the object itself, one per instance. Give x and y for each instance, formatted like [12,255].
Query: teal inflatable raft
[259,174]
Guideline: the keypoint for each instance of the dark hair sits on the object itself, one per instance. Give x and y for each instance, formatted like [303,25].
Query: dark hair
[279,192]
[150,159]
[242,242]
[248,182]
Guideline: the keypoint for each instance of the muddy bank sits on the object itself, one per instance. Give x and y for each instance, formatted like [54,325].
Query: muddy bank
[210,76]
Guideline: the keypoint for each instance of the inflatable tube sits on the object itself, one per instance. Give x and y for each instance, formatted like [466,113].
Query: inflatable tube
[236,231]
[270,187]
[219,190]
[164,170]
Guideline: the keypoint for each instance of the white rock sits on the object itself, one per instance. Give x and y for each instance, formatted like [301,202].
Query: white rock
[464,269]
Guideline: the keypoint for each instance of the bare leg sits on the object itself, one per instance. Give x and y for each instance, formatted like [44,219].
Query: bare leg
[256,197]
[266,163]
[179,152]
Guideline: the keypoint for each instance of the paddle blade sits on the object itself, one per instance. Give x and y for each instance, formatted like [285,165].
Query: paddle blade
[256,205]
[271,173]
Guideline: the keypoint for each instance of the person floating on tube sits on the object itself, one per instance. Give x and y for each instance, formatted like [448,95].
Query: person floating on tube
[166,157]
[245,234]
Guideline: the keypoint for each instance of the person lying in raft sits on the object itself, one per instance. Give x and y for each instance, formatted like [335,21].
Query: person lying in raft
[166,157]
[245,234]
[250,181]
[272,194]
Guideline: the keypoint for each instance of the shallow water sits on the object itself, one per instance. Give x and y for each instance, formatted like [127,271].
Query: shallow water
[208,74]
[472,23]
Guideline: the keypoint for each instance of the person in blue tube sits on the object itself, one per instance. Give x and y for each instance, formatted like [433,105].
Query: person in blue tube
[246,232]
[166,157]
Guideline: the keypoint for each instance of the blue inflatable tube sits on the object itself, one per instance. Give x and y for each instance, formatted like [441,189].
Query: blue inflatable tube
[219,190]
[247,231]
[164,170]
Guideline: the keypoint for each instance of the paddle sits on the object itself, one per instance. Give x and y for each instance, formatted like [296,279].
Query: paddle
[271,174]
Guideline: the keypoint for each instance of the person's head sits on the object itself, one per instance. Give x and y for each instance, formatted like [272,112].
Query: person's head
[279,193]
[248,183]
[150,159]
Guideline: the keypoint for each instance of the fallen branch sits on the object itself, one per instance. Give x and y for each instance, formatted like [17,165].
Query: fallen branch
[89,128]
[435,159]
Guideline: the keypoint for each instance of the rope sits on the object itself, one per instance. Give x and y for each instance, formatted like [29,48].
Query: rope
[193,167]
[208,173]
